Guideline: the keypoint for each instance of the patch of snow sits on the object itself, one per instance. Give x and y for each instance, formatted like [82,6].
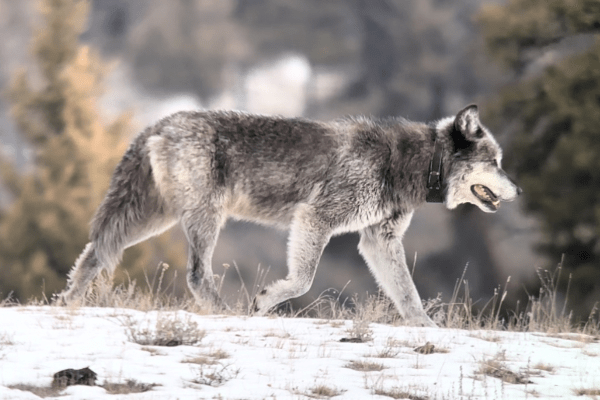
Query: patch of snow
[282,358]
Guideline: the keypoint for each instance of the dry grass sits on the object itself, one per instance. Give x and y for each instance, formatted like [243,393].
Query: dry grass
[590,353]
[587,392]
[214,374]
[39,391]
[218,354]
[365,366]
[544,312]
[201,360]
[322,391]
[158,295]
[169,330]
[153,351]
[496,368]
[487,336]
[544,367]
[398,393]
[5,341]
[129,387]
[390,350]
[360,331]
[411,392]
[211,358]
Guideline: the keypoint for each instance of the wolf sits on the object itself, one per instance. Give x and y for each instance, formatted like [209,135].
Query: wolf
[317,179]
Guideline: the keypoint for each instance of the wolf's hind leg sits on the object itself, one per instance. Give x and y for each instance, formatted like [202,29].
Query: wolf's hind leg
[87,267]
[201,228]
[308,237]
[111,234]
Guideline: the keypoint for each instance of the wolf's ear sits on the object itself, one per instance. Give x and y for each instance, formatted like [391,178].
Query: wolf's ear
[467,123]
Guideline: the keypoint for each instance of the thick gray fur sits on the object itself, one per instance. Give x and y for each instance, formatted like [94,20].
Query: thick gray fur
[317,179]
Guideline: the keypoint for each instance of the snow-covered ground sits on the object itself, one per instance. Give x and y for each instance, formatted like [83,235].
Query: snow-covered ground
[283,358]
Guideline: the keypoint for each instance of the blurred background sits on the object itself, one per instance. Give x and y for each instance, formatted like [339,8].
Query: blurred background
[78,79]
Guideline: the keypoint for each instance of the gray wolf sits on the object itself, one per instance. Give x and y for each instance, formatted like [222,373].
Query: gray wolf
[317,179]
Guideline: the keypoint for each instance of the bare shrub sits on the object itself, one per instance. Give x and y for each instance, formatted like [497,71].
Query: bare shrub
[169,330]
[360,332]
[214,374]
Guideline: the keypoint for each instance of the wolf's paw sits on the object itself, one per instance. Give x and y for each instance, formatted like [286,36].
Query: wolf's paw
[58,299]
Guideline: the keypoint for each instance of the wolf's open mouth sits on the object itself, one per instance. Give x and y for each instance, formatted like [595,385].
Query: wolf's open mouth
[488,197]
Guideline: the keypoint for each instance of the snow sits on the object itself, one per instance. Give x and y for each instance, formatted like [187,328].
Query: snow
[241,357]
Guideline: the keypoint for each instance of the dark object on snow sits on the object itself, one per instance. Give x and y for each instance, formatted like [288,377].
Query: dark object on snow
[351,340]
[68,377]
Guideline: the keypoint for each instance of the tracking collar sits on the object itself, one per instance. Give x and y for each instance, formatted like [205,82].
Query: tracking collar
[434,177]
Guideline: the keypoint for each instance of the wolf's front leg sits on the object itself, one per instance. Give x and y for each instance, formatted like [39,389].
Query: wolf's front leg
[381,247]
[308,236]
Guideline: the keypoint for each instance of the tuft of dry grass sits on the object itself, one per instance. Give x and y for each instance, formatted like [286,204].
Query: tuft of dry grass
[497,369]
[169,330]
[129,387]
[211,358]
[359,333]
[323,391]
[9,301]
[200,360]
[214,374]
[153,351]
[365,366]
[544,367]
[587,392]
[5,340]
[398,393]
[390,350]
[218,354]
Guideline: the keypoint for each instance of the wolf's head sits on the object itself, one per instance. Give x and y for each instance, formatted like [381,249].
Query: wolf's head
[474,174]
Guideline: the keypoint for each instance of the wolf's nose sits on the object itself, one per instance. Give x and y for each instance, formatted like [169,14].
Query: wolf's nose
[519,190]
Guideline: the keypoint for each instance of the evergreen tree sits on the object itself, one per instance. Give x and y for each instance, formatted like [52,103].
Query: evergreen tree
[554,105]
[55,108]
